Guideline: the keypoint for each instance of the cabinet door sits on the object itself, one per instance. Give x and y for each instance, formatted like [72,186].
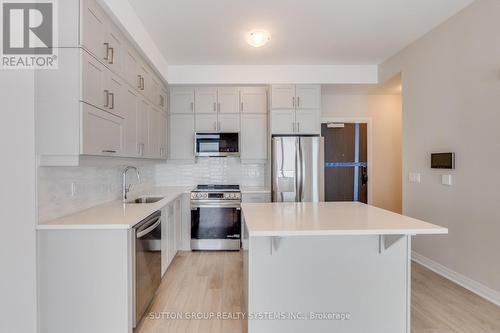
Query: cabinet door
[163,135]
[94,79]
[115,89]
[308,121]
[178,224]
[115,57]
[93,29]
[253,100]
[171,234]
[283,121]
[283,96]
[102,132]
[164,240]
[131,68]
[206,123]
[132,112]
[308,96]
[143,127]
[163,100]
[181,136]
[154,132]
[228,123]
[182,100]
[155,91]
[205,100]
[254,136]
[229,100]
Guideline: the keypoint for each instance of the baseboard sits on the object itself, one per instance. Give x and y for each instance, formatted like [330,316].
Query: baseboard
[469,284]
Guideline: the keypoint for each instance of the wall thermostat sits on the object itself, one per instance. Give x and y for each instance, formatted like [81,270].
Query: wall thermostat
[443,160]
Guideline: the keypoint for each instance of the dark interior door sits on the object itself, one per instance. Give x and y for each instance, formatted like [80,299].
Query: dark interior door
[346,173]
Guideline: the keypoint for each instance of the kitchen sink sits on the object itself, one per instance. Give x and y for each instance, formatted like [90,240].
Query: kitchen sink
[145,200]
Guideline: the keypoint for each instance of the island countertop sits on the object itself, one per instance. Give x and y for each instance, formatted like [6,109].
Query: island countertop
[330,218]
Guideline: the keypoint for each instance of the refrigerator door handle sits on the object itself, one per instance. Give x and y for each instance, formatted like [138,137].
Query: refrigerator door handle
[301,171]
[298,171]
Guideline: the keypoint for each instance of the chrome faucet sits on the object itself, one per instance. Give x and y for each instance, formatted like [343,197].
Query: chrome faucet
[126,188]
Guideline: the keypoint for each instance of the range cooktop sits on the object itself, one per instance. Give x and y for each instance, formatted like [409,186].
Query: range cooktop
[218,188]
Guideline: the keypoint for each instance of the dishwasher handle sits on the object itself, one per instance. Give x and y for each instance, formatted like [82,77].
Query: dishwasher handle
[148,225]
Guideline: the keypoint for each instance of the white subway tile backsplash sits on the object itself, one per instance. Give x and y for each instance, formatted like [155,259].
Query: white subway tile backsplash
[92,186]
[211,171]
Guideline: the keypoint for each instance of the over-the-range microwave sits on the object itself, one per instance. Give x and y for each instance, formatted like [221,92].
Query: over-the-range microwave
[216,144]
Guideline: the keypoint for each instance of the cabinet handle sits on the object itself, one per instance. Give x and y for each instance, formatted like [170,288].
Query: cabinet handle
[112,58]
[298,101]
[215,126]
[143,84]
[112,101]
[162,102]
[140,82]
[192,106]
[218,126]
[241,106]
[218,107]
[106,98]
[106,45]
[215,107]
[109,151]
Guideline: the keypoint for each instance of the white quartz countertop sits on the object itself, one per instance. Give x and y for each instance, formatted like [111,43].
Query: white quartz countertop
[330,218]
[116,214]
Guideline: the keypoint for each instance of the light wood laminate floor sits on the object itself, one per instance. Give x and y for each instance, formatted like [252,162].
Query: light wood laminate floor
[211,282]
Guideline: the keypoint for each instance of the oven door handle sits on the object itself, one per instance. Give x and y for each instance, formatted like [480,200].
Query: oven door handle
[219,204]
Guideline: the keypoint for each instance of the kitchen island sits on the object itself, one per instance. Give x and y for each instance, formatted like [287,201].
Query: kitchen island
[328,267]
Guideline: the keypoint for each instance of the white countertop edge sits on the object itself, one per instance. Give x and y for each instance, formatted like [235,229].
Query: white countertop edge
[84,227]
[379,232]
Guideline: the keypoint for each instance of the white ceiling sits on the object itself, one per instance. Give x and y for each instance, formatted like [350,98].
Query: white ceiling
[312,32]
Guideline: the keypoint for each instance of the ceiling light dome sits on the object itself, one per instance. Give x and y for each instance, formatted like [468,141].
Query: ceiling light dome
[258,38]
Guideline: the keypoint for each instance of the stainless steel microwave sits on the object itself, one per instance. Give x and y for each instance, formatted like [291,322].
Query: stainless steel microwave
[217,144]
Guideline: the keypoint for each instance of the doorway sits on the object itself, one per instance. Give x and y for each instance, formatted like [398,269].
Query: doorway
[346,161]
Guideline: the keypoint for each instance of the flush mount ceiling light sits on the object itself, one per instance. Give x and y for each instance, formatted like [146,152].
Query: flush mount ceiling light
[258,38]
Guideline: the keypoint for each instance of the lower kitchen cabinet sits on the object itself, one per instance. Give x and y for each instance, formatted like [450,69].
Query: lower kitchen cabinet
[171,233]
[181,137]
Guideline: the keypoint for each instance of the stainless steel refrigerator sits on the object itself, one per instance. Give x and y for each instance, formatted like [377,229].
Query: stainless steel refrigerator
[298,173]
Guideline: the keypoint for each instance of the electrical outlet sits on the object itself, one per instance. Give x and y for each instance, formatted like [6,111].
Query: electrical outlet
[414,177]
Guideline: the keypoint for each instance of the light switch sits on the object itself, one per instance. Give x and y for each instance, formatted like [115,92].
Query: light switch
[414,177]
[446,180]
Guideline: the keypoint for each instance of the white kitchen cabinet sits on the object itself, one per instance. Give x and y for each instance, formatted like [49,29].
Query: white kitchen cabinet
[172,251]
[115,51]
[163,137]
[114,94]
[102,132]
[228,123]
[132,118]
[182,100]
[254,137]
[178,224]
[94,29]
[253,99]
[308,96]
[228,99]
[132,68]
[163,100]
[181,137]
[283,121]
[206,123]
[143,127]
[94,81]
[307,122]
[283,96]
[206,100]
[154,132]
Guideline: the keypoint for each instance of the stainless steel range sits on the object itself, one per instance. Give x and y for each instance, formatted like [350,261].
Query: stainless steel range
[216,217]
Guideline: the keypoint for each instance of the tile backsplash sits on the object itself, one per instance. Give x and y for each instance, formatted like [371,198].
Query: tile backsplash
[211,171]
[92,186]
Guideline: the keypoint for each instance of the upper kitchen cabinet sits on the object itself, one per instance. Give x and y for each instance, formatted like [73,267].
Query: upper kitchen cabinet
[206,100]
[228,99]
[301,96]
[308,96]
[254,137]
[181,137]
[283,96]
[302,116]
[253,99]
[104,100]
[182,100]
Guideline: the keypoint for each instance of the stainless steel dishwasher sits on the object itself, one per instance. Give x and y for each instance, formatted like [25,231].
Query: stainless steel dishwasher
[146,263]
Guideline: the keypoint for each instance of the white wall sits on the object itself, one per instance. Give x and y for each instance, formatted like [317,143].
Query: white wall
[93,186]
[451,102]
[272,74]
[385,114]
[211,171]
[17,203]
